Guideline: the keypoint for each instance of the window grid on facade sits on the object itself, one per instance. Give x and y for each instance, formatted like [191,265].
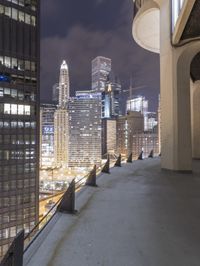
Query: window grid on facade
[18,119]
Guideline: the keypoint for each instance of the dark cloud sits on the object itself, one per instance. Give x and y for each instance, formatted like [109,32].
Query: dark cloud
[79,44]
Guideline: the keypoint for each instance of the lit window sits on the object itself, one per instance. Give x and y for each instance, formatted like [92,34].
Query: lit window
[1,9]
[14,109]
[7,61]
[1,92]
[20,109]
[27,65]
[27,19]
[20,95]
[7,11]
[14,63]
[20,124]
[13,124]
[14,93]
[14,14]
[33,21]
[20,64]
[21,2]
[6,124]
[21,16]
[32,66]
[6,91]
[6,108]
[27,110]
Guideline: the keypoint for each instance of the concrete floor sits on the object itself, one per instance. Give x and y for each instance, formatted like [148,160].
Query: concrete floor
[138,216]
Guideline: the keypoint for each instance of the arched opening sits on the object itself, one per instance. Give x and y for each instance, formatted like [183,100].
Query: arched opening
[195,105]
[187,100]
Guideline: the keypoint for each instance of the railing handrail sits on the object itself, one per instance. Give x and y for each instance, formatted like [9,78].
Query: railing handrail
[45,216]
[74,189]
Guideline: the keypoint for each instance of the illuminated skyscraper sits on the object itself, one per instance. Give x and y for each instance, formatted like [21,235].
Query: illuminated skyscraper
[127,126]
[47,134]
[19,116]
[140,104]
[85,129]
[61,123]
[137,104]
[63,86]
[111,97]
[109,134]
[101,67]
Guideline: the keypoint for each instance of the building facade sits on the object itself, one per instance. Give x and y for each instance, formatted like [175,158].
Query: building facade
[109,134]
[127,126]
[47,112]
[61,137]
[171,28]
[61,118]
[145,142]
[85,129]
[101,67]
[140,104]
[111,97]
[55,93]
[19,118]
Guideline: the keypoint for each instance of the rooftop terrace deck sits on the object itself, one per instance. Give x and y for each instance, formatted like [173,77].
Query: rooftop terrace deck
[138,215]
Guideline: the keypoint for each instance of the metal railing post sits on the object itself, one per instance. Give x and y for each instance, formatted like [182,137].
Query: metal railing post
[140,156]
[67,204]
[106,168]
[14,255]
[91,180]
[130,158]
[151,154]
[118,162]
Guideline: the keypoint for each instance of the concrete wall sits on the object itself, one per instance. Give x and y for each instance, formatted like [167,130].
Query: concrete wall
[195,118]
[175,97]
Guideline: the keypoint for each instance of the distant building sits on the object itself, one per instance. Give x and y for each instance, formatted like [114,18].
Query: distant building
[55,93]
[61,123]
[101,67]
[47,112]
[127,126]
[61,137]
[137,104]
[85,129]
[140,104]
[109,134]
[151,122]
[145,142]
[111,98]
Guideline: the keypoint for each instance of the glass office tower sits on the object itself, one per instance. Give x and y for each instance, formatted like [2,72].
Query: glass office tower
[19,117]
[101,67]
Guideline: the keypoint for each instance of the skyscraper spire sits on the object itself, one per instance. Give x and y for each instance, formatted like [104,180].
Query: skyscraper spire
[61,123]
[63,85]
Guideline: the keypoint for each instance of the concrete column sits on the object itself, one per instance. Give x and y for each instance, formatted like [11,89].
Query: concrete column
[195,110]
[175,99]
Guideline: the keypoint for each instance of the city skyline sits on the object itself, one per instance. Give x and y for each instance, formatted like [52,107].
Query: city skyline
[117,132]
[81,38]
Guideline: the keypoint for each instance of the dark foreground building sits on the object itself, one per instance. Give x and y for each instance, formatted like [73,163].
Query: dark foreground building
[19,116]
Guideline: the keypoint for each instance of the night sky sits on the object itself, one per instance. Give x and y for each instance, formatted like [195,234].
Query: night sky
[80,30]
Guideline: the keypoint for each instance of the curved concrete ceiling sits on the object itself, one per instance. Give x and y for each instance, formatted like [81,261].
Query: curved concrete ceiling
[146,28]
